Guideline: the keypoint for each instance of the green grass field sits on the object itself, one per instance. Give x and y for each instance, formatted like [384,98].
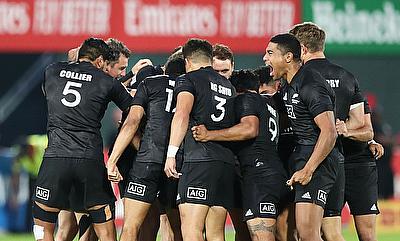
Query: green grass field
[348,235]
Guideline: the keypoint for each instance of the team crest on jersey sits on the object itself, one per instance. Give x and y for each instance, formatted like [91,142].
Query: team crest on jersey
[197,193]
[290,111]
[136,188]
[321,196]
[267,208]
[42,193]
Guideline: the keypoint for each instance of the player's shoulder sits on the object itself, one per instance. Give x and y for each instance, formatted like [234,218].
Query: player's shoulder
[309,76]
[56,66]
[343,72]
[249,99]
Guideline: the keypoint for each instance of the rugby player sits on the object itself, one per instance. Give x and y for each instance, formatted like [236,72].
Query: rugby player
[310,103]
[205,189]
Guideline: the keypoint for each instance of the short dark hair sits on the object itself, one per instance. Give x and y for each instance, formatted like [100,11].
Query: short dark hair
[263,75]
[288,43]
[117,45]
[92,48]
[197,50]
[222,52]
[244,80]
[175,65]
[310,35]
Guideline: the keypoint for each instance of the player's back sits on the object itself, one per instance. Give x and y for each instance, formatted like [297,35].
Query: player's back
[77,96]
[155,95]
[343,83]
[264,146]
[213,107]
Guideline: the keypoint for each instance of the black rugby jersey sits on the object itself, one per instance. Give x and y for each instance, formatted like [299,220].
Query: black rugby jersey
[287,140]
[214,107]
[358,151]
[263,148]
[343,83]
[77,96]
[155,95]
[307,96]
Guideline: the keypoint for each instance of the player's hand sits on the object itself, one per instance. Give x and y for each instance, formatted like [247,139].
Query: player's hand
[302,176]
[140,64]
[377,150]
[341,128]
[170,168]
[113,172]
[200,133]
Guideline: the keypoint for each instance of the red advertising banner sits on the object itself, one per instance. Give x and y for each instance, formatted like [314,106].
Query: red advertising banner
[144,25]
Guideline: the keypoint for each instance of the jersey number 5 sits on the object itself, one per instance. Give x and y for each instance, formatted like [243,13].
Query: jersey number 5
[68,90]
[220,106]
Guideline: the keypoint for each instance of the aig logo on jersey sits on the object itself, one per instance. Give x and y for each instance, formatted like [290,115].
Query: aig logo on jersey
[267,208]
[321,196]
[42,193]
[197,193]
[136,188]
[290,111]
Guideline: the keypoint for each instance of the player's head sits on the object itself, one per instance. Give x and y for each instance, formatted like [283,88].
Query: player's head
[223,60]
[197,53]
[96,51]
[244,80]
[311,37]
[267,83]
[282,51]
[117,67]
[175,65]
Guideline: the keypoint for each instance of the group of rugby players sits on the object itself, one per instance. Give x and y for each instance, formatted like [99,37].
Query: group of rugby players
[281,148]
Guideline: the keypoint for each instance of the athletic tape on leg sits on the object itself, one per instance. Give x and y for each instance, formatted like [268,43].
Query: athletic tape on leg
[38,232]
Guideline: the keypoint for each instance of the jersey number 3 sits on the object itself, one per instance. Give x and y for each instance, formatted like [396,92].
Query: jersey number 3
[220,106]
[68,90]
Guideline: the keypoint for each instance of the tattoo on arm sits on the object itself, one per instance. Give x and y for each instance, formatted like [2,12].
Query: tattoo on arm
[261,226]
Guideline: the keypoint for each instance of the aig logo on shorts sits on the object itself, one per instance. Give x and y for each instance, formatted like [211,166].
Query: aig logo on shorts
[267,208]
[321,196]
[197,193]
[42,193]
[136,188]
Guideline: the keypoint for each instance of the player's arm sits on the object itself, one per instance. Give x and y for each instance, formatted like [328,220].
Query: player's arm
[365,133]
[325,143]
[247,129]
[124,138]
[179,126]
[356,116]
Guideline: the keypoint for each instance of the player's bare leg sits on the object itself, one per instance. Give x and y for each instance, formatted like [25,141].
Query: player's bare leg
[44,231]
[165,229]
[215,223]
[175,223]
[193,218]
[309,221]
[286,225]
[148,229]
[105,230]
[332,229]
[365,226]
[134,215]
[67,226]
[241,230]
[262,229]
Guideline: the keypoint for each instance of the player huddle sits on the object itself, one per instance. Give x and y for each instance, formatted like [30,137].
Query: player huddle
[281,148]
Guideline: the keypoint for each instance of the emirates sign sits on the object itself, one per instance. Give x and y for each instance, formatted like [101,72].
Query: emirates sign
[144,25]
